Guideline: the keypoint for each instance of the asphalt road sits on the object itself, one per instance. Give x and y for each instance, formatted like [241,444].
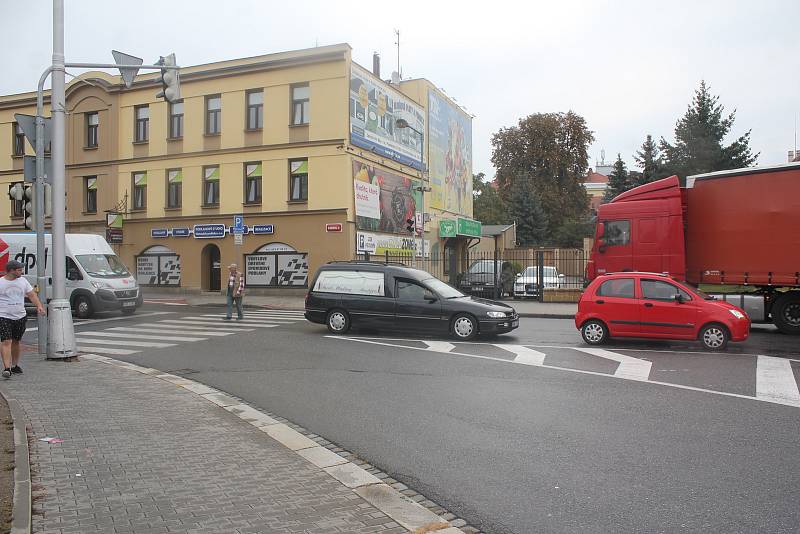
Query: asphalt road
[647,437]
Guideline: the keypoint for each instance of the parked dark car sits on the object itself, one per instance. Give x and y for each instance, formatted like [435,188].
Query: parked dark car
[479,279]
[391,296]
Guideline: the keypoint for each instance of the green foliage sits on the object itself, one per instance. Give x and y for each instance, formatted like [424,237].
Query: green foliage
[699,137]
[487,205]
[618,180]
[571,233]
[545,157]
[648,158]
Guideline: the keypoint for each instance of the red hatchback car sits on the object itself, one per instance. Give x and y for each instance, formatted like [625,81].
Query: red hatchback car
[648,305]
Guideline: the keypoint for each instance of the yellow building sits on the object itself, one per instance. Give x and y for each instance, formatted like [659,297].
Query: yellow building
[303,145]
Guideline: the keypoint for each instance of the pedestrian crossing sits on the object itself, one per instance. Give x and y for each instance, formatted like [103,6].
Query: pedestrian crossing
[168,330]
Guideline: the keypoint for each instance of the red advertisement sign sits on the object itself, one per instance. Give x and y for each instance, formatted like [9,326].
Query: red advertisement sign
[333,227]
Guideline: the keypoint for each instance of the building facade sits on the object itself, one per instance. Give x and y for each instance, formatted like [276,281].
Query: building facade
[279,163]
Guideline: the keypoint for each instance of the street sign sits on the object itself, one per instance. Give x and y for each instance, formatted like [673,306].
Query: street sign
[238,224]
[28,125]
[29,169]
[208,231]
[114,235]
[333,227]
[159,232]
[180,232]
[237,239]
[263,229]
[128,74]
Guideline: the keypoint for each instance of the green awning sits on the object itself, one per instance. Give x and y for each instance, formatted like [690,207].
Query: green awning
[212,174]
[254,170]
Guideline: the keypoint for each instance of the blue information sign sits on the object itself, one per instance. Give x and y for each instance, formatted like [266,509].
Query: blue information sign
[180,232]
[242,230]
[206,231]
[159,232]
[238,225]
[263,229]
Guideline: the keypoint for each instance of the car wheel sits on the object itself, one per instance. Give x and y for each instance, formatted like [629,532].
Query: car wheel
[594,332]
[714,337]
[465,327]
[83,307]
[338,322]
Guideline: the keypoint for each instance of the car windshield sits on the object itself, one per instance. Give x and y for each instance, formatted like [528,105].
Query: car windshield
[549,272]
[482,266]
[443,290]
[103,265]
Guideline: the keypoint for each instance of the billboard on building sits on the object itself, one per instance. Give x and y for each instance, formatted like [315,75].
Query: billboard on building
[450,156]
[385,201]
[374,108]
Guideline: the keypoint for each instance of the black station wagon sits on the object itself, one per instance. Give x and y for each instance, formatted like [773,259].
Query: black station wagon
[392,296]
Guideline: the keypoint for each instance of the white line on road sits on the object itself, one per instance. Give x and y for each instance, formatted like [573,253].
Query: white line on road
[629,367]
[775,380]
[108,350]
[149,344]
[524,354]
[440,346]
[249,317]
[191,327]
[228,324]
[166,329]
[141,336]
[93,321]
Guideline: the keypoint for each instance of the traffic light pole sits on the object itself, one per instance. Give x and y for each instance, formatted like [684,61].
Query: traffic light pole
[41,250]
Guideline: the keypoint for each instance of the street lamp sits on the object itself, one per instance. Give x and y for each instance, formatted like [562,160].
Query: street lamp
[402,123]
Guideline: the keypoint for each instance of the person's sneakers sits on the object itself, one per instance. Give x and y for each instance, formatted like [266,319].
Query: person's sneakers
[226,318]
[17,370]
[6,373]
[239,318]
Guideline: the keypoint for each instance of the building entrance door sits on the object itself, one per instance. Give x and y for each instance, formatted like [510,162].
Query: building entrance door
[212,268]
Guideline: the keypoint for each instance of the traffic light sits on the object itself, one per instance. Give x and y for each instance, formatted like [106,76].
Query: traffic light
[28,215]
[170,80]
[410,223]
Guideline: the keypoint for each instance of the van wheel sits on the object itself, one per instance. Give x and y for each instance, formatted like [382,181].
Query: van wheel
[83,307]
[465,327]
[714,337]
[338,322]
[594,332]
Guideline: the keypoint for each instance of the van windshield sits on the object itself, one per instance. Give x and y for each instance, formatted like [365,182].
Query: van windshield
[103,265]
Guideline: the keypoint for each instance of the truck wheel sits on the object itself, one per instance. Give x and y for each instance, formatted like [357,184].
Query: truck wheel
[786,313]
[714,337]
[83,307]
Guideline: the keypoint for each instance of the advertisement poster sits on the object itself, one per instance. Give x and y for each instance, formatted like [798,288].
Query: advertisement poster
[259,269]
[147,270]
[450,152]
[380,244]
[396,199]
[374,108]
[270,269]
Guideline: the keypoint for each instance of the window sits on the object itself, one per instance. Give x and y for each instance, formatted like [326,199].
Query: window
[139,190]
[213,115]
[211,186]
[298,180]
[142,132]
[350,283]
[176,120]
[174,185]
[616,233]
[408,290]
[619,287]
[92,125]
[19,140]
[300,104]
[255,109]
[17,206]
[252,183]
[90,194]
[73,273]
[658,290]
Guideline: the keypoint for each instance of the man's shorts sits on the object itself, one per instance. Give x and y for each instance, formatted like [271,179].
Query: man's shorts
[12,328]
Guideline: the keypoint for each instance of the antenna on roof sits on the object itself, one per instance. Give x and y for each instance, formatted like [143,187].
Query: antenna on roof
[397,42]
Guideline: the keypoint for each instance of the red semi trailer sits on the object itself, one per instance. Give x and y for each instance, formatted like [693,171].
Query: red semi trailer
[739,227]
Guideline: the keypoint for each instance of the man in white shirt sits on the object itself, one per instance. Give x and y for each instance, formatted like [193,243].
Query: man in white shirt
[14,287]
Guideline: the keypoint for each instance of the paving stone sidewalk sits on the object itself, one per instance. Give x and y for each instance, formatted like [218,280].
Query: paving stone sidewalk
[142,455]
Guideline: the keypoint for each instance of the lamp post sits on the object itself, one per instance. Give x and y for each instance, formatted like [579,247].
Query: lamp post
[402,123]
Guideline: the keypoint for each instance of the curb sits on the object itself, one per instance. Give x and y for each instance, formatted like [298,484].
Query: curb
[21,507]
[547,315]
[400,507]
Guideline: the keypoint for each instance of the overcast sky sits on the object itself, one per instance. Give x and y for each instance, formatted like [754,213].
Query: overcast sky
[629,68]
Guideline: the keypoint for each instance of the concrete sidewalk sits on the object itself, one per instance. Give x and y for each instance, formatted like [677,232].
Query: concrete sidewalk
[145,451]
[526,308]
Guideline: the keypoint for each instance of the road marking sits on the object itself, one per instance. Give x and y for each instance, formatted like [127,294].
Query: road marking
[168,329]
[108,350]
[775,380]
[249,317]
[218,319]
[93,321]
[629,367]
[173,327]
[140,336]
[440,346]
[524,355]
[228,324]
[149,344]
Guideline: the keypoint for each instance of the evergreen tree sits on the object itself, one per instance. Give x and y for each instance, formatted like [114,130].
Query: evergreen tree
[618,180]
[648,158]
[487,206]
[699,137]
[525,208]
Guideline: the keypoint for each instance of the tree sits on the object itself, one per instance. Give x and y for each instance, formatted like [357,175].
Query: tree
[549,152]
[487,205]
[699,137]
[526,210]
[618,180]
[648,158]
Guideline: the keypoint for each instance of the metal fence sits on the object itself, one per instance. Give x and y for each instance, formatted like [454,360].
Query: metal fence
[546,275]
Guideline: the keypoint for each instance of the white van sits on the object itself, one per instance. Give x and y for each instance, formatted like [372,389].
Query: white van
[97,280]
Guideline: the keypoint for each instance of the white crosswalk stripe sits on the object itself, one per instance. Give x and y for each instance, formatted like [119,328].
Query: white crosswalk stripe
[259,318]
[107,350]
[167,329]
[126,343]
[208,321]
[141,336]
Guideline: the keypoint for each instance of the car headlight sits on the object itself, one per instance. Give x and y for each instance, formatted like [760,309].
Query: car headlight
[101,285]
[737,314]
[496,315]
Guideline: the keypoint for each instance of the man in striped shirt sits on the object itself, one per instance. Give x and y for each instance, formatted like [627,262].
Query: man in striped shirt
[235,292]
